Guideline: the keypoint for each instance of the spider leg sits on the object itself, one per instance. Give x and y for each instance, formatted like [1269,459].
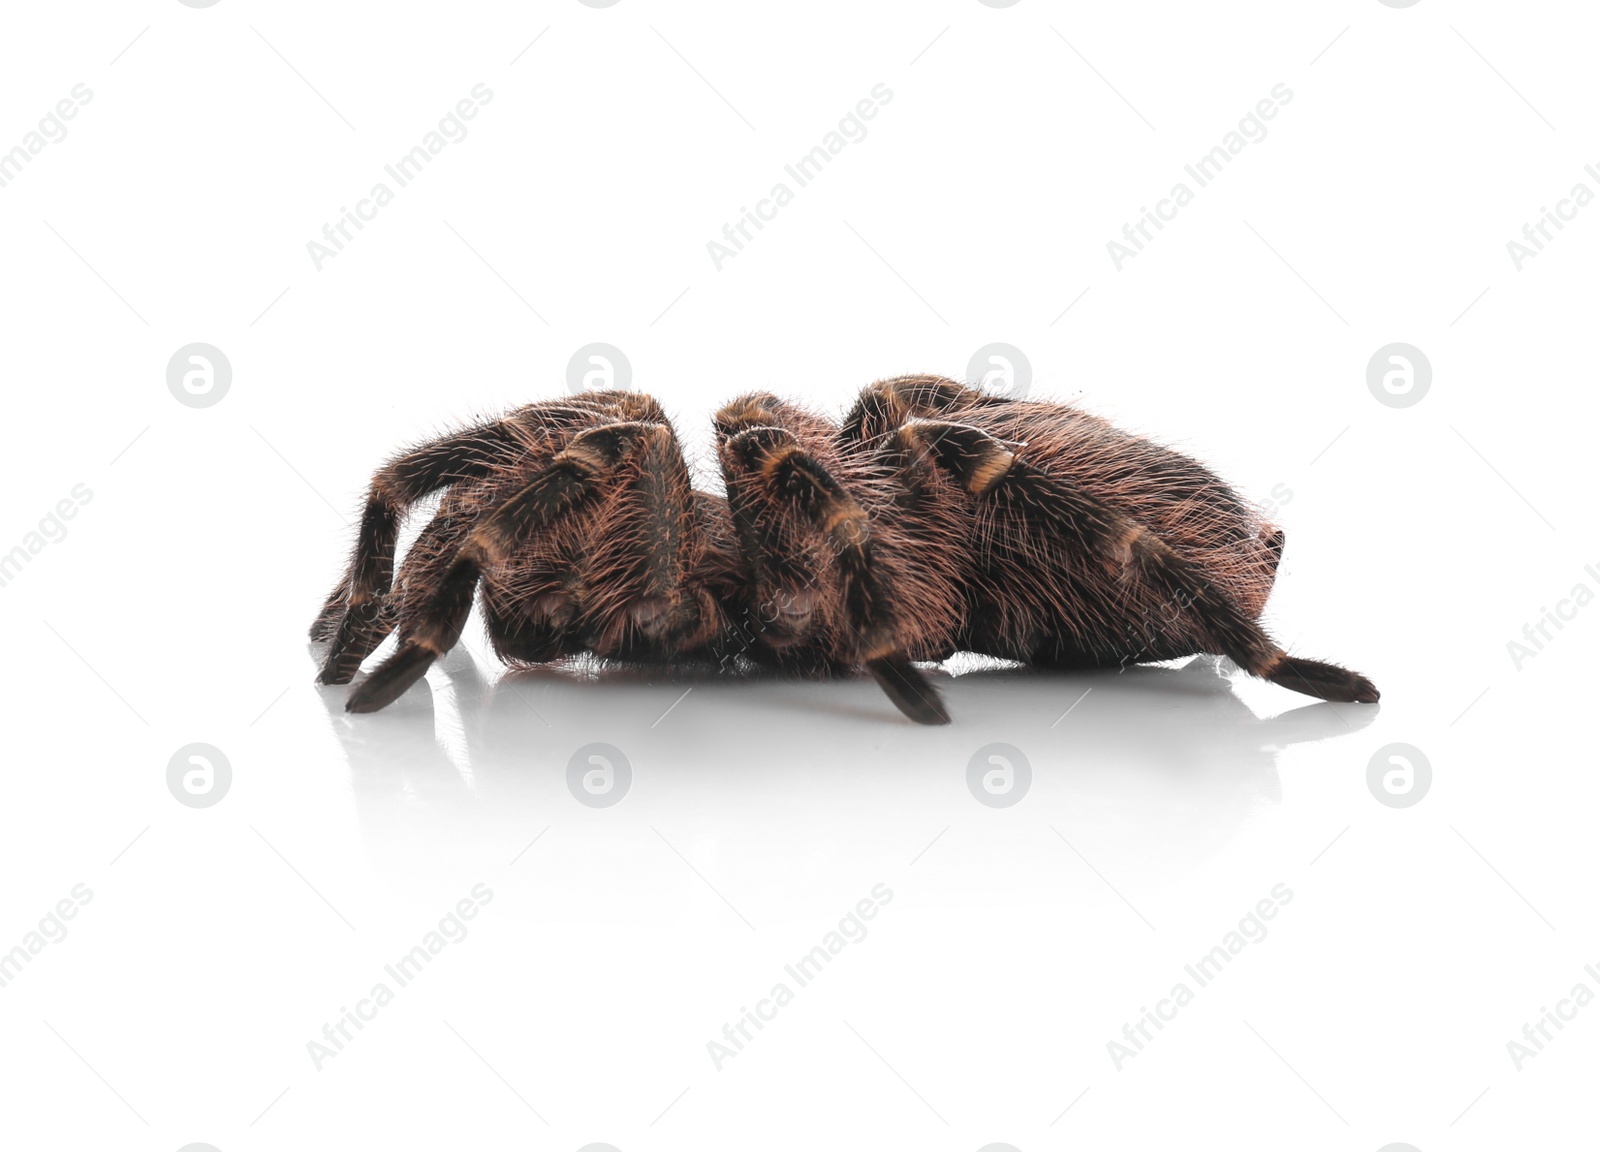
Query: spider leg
[354,619]
[422,566]
[570,478]
[772,458]
[991,469]
[884,405]
[521,638]
[328,617]
[633,590]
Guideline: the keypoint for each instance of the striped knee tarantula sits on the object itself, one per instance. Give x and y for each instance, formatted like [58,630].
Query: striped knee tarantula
[933,519]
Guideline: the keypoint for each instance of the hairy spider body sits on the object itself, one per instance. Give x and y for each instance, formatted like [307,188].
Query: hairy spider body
[1050,503]
[933,519]
[577,517]
[1029,531]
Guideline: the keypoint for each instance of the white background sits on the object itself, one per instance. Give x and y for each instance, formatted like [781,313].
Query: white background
[1019,941]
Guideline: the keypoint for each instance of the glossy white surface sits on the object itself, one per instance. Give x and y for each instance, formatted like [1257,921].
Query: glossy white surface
[609,946]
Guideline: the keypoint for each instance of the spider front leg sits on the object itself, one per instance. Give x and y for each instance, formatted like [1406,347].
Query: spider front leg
[332,611]
[767,463]
[355,619]
[991,469]
[569,479]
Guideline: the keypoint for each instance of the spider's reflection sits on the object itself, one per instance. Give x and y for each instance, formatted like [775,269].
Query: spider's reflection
[1153,762]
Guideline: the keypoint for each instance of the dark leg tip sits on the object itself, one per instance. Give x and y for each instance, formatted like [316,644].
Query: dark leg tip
[352,636]
[360,702]
[909,689]
[390,680]
[1324,681]
[340,665]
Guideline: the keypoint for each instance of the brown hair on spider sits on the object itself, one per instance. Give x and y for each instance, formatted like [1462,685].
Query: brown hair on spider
[933,519]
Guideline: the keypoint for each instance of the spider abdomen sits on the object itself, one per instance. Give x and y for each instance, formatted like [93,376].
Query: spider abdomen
[1045,598]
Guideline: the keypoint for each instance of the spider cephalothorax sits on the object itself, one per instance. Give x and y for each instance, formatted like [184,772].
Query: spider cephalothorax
[933,519]
[578,518]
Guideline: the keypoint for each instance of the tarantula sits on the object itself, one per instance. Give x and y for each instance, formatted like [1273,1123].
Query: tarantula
[933,519]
